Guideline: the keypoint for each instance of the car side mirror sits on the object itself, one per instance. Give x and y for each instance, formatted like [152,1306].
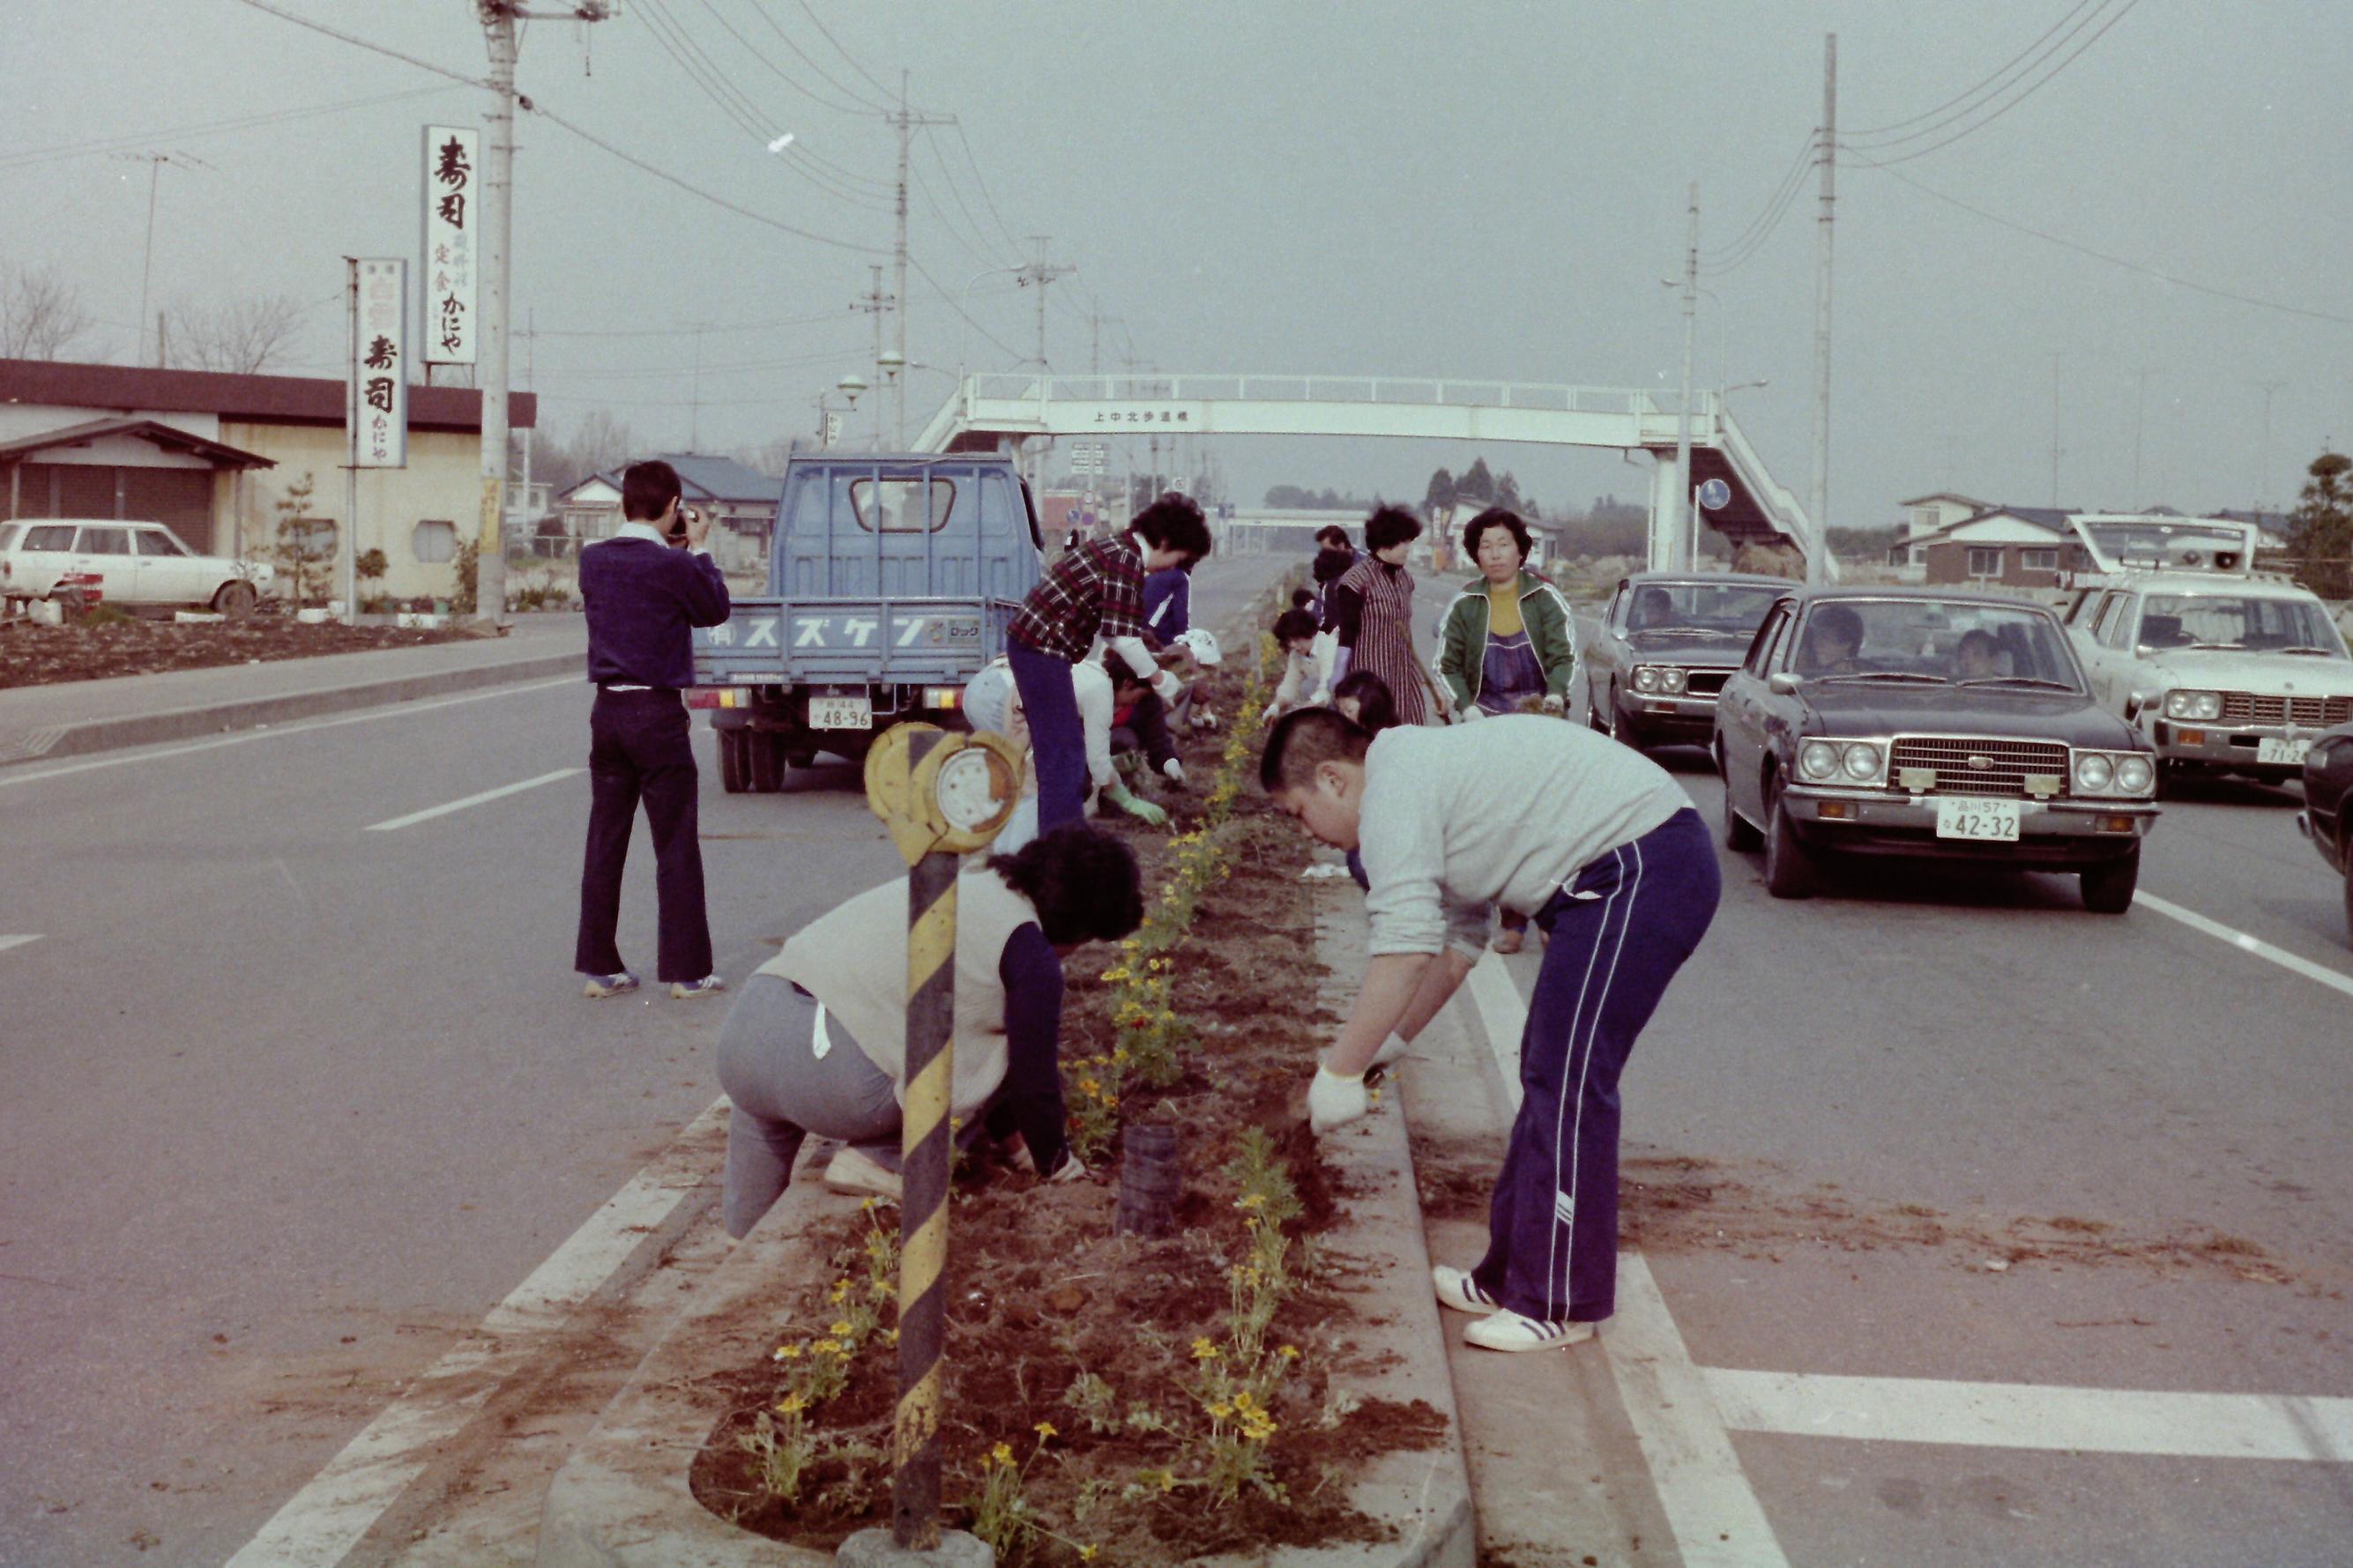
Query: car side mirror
[2134,704]
[1784,684]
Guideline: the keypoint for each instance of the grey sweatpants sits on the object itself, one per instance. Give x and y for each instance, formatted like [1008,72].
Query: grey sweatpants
[782,1090]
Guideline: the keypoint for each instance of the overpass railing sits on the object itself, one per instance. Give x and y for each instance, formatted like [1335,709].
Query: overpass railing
[1013,386]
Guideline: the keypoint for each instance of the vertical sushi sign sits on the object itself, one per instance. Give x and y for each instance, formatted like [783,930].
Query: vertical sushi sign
[380,364]
[452,155]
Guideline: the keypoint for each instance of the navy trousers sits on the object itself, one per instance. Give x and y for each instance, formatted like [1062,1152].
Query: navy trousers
[1620,931]
[639,749]
[1050,704]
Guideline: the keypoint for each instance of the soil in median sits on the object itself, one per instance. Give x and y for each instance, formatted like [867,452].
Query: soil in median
[36,655]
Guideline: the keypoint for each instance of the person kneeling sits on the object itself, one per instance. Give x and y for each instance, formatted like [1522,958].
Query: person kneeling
[817,1042]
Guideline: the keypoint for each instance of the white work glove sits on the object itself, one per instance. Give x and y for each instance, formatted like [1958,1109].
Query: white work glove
[1473,711]
[1555,702]
[1335,1099]
[1174,771]
[1167,685]
[1070,1170]
[1272,711]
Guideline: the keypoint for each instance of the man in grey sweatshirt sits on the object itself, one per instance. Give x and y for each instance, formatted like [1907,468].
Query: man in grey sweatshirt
[1602,848]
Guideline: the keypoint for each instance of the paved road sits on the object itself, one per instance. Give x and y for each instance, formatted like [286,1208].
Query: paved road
[293,1101]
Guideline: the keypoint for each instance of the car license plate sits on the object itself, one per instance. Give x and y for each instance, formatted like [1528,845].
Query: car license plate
[1962,817]
[841,713]
[2268,749]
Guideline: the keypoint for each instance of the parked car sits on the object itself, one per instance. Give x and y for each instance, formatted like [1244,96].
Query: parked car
[2328,816]
[2225,674]
[130,563]
[891,581]
[1665,644]
[1914,723]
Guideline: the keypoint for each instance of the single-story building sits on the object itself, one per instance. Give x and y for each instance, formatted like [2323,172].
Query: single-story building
[213,456]
[739,500]
[2011,546]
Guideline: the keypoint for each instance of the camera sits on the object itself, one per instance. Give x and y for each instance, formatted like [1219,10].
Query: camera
[686,516]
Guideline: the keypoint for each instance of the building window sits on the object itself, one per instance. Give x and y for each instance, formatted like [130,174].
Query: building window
[2039,560]
[1985,560]
[435,542]
[1923,520]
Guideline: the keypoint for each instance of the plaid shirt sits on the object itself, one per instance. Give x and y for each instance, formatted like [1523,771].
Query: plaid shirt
[1094,590]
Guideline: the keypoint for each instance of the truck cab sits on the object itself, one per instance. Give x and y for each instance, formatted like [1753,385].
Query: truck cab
[892,580]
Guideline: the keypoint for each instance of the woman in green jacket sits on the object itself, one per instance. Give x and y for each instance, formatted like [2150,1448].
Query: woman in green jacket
[1509,637]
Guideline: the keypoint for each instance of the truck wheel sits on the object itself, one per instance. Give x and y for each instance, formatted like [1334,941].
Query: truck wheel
[735,761]
[767,762]
[234,600]
[1790,869]
[2108,889]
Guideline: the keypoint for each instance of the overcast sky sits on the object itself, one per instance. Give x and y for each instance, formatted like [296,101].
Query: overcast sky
[1486,190]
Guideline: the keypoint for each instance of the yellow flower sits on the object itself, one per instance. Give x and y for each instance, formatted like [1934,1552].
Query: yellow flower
[1244,1402]
[1222,1411]
[1168,1480]
[1002,1454]
[1250,1201]
[827,1347]
[792,1404]
[788,1353]
[1045,1429]
[1087,1554]
[890,1336]
[1289,1352]
[840,1290]
[842,1330]
[1110,1102]
[1204,1351]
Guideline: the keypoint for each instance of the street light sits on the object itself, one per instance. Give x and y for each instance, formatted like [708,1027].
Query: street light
[849,386]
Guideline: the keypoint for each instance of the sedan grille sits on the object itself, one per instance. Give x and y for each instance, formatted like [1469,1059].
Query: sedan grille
[1970,764]
[1706,682]
[2312,712]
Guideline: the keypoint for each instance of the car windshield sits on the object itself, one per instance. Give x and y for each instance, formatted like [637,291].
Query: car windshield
[1961,641]
[2249,622]
[1707,609]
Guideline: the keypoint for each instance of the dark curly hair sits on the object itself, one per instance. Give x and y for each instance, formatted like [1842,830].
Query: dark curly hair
[1375,703]
[1293,625]
[1084,885]
[1390,525]
[1174,522]
[1500,517]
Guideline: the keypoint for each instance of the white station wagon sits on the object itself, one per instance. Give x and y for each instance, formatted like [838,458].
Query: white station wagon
[127,562]
[2224,673]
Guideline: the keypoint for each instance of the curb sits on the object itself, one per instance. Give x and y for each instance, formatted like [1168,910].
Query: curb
[622,1499]
[184,723]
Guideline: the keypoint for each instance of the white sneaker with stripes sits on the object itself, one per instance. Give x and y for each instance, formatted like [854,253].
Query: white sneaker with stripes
[1507,1331]
[1456,1289]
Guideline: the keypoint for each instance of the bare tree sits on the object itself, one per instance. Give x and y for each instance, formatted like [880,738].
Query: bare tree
[41,312]
[241,337]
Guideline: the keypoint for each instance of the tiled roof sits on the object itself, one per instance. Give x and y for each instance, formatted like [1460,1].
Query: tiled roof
[151,430]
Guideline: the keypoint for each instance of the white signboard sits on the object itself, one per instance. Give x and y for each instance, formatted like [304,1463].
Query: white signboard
[452,154]
[380,366]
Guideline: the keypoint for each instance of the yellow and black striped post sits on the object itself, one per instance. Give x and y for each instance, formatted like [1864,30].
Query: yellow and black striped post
[937,812]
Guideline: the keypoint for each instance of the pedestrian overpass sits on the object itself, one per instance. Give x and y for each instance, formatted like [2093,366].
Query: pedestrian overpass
[992,409]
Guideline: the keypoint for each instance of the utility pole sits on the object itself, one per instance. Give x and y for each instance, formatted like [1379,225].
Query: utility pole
[154,162]
[1680,546]
[2054,428]
[2264,479]
[497,210]
[876,303]
[1816,562]
[906,121]
[1042,273]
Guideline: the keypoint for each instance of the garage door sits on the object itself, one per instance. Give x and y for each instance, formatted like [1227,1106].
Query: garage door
[181,498]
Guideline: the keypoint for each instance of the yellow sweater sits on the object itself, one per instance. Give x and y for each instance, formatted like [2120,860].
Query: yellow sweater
[1504,609]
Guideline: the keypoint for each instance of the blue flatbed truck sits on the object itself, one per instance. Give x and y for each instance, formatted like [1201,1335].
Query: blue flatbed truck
[892,580]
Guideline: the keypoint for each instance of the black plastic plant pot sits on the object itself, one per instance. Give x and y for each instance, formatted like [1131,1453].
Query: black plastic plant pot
[1149,1180]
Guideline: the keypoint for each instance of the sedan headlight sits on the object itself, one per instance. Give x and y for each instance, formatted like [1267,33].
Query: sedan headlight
[1861,762]
[2193,705]
[1671,680]
[1819,760]
[1646,679]
[2093,773]
[2134,775]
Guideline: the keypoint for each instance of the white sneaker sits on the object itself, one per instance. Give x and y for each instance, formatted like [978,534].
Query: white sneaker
[1507,1331]
[851,1172]
[1457,1289]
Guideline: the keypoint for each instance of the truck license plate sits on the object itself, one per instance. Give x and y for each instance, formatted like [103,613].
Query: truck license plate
[841,713]
[2268,749]
[1963,816]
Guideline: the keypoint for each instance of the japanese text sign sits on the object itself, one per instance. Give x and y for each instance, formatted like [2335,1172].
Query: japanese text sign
[379,404]
[451,157]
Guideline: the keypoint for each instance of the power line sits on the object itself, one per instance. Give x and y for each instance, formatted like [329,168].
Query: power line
[980,180]
[302,21]
[780,73]
[819,22]
[210,128]
[957,306]
[985,251]
[684,331]
[2032,90]
[2139,267]
[715,85]
[859,104]
[1982,83]
[1767,213]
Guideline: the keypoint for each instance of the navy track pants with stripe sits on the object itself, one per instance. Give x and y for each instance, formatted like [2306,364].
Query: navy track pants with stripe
[1621,930]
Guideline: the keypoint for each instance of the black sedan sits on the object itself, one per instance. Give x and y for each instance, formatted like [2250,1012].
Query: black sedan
[2328,816]
[1891,721]
[1666,644]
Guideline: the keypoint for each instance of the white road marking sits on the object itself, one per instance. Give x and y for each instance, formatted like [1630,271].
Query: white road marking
[2032,1415]
[429,812]
[321,1523]
[2329,977]
[1713,1511]
[11,777]
[8,942]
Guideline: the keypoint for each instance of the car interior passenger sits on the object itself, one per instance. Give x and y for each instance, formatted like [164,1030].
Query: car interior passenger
[2163,631]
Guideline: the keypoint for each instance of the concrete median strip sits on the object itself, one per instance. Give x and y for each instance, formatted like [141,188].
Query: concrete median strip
[56,740]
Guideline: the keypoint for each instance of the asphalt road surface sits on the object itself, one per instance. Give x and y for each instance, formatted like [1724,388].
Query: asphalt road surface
[297,1097]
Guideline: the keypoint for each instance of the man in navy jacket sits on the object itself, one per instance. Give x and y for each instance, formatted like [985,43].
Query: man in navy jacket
[644,590]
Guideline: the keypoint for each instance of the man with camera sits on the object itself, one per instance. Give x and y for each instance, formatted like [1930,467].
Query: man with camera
[644,590]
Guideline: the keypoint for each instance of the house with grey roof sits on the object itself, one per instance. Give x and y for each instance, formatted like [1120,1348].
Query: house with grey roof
[739,500]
